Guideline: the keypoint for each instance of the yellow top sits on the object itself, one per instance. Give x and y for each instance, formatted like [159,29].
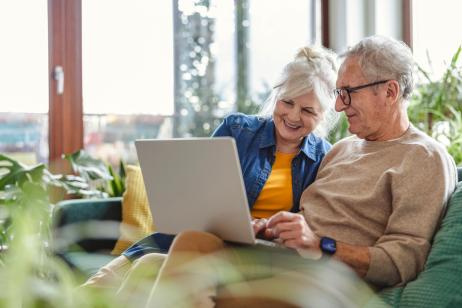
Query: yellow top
[276,195]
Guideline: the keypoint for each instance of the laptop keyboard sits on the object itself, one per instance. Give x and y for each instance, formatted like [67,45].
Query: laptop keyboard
[269,244]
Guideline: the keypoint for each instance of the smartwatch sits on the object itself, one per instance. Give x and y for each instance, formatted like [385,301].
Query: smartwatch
[328,245]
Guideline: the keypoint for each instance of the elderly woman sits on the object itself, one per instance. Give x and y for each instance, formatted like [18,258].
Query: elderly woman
[280,151]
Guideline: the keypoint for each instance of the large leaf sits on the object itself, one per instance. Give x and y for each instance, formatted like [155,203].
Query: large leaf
[15,173]
[87,166]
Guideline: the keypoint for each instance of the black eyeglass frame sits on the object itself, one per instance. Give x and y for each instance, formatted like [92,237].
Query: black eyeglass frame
[337,92]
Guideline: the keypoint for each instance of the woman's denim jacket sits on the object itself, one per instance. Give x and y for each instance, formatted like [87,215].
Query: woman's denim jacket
[256,145]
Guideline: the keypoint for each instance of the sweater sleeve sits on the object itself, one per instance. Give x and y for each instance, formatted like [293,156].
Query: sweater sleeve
[420,188]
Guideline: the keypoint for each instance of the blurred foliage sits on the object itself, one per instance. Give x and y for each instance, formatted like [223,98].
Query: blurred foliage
[30,275]
[27,188]
[340,130]
[200,107]
[437,105]
[195,97]
[100,176]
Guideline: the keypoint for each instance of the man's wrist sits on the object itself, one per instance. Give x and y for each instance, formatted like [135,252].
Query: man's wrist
[328,246]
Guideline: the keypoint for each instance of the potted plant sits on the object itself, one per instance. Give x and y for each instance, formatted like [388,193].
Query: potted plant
[437,105]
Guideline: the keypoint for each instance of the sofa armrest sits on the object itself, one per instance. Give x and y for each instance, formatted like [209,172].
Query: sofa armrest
[91,225]
[78,210]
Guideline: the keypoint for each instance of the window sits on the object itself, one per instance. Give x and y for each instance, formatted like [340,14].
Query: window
[436,35]
[24,80]
[127,74]
[277,31]
[137,69]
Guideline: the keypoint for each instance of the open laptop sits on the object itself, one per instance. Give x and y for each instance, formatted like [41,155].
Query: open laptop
[196,184]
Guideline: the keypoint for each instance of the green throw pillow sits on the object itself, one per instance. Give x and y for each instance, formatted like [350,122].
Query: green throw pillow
[439,285]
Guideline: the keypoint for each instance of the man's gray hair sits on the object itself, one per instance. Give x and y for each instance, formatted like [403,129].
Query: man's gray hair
[314,69]
[382,58]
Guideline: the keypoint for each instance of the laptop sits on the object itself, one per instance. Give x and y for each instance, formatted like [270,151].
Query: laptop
[196,184]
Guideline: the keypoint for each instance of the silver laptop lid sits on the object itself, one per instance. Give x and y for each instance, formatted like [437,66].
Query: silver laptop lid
[196,184]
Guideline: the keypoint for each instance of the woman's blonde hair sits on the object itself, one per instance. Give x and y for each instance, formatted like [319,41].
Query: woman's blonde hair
[314,69]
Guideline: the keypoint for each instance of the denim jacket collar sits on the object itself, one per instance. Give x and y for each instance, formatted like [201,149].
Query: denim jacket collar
[308,146]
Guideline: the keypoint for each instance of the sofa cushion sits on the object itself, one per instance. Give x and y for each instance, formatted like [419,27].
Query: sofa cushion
[439,283]
[85,264]
[91,225]
[136,214]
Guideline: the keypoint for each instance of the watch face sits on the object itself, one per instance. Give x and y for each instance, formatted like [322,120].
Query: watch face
[328,245]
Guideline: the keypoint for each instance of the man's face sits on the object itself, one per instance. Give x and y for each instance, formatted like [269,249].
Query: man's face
[367,112]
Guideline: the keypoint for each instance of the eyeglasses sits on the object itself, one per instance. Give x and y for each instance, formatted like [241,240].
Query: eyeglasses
[344,93]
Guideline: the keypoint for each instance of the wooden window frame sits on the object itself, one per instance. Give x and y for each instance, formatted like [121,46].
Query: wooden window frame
[65,116]
[406,22]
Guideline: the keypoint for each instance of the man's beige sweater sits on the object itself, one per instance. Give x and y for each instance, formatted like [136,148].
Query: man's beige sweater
[388,196]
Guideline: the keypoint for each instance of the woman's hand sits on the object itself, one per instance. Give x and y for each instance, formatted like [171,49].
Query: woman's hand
[259,226]
[293,231]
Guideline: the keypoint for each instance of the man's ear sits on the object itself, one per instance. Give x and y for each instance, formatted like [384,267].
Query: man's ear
[393,90]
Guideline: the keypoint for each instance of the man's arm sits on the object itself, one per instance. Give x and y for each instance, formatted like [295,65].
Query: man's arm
[294,232]
[357,257]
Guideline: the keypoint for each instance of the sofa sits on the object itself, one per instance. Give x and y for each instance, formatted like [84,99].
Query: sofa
[86,230]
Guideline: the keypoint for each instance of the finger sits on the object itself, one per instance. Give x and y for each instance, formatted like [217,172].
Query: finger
[289,226]
[291,235]
[268,234]
[281,217]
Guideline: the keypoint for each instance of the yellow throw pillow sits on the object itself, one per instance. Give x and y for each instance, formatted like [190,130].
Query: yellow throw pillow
[136,214]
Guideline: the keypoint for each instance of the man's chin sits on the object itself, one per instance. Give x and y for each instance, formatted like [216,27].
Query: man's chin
[354,131]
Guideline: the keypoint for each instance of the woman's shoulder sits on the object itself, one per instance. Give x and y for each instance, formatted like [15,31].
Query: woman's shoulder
[320,143]
[241,120]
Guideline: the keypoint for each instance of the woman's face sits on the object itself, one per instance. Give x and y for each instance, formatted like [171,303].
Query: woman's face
[296,117]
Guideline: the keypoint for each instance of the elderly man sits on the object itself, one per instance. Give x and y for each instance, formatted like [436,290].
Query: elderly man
[379,195]
[375,204]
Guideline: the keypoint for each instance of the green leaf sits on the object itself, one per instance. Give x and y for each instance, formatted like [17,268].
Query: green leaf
[87,166]
[436,106]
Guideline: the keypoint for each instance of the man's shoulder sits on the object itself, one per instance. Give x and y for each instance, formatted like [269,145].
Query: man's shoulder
[423,142]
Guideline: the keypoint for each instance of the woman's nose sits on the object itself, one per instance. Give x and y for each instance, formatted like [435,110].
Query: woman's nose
[294,114]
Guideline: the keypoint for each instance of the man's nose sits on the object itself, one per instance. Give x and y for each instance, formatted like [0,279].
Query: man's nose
[339,105]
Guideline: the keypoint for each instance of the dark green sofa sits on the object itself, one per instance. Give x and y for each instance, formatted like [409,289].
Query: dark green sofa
[85,231]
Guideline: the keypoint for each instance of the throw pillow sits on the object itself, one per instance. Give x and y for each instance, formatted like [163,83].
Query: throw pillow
[136,214]
[439,283]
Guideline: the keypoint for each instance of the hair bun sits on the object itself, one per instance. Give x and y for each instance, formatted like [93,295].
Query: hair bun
[308,53]
[313,54]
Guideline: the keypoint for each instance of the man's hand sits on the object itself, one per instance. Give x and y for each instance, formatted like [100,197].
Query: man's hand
[293,231]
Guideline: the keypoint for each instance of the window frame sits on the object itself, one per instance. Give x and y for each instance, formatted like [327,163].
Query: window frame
[65,115]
